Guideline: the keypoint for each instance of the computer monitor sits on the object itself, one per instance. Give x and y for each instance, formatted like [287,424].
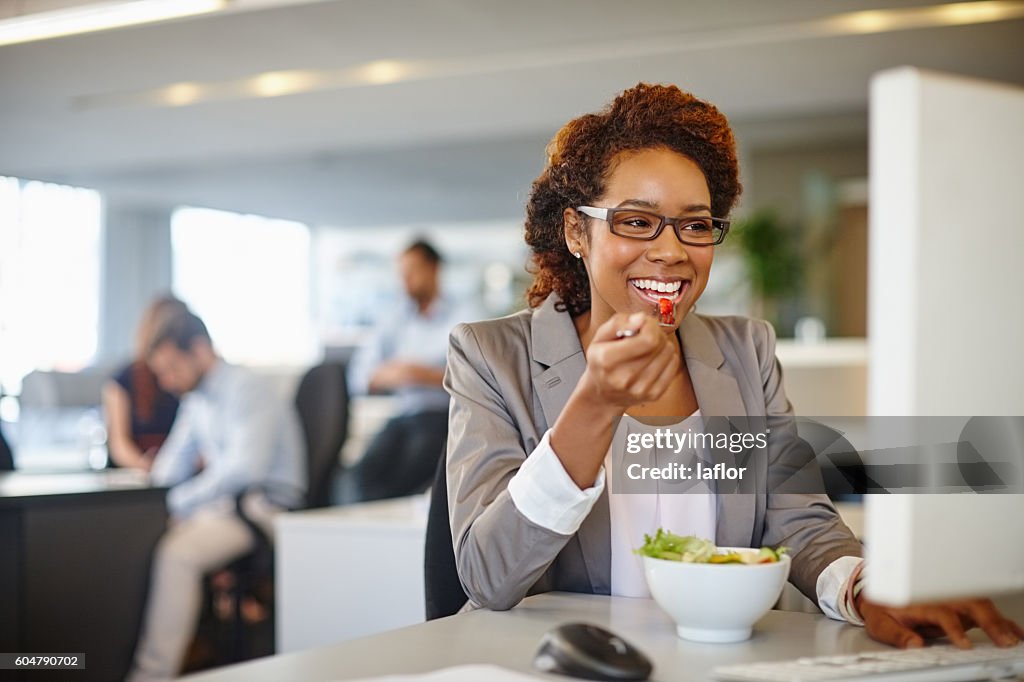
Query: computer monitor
[945,322]
[927,547]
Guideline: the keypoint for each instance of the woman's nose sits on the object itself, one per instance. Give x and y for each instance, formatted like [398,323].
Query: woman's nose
[667,248]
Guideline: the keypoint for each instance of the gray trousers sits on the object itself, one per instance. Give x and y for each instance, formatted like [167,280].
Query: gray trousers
[211,538]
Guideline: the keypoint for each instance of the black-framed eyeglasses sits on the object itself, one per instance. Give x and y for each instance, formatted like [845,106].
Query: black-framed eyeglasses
[636,224]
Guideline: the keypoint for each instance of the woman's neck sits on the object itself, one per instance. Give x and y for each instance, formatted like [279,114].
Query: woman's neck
[588,322]
[584,329]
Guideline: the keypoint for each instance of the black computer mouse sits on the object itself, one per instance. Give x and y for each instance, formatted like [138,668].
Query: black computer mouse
[592,653]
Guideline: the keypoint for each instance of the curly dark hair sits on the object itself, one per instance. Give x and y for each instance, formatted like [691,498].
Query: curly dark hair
[580,159]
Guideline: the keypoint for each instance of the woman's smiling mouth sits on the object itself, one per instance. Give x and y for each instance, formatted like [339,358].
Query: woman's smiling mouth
[654,290]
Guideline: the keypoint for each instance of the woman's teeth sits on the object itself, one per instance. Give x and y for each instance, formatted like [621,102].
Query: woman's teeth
[653,287]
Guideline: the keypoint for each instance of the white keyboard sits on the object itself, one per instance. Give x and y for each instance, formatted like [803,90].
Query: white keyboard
[934,663]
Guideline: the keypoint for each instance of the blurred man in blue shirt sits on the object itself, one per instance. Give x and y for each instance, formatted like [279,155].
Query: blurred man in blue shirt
[407,357]
[233,434]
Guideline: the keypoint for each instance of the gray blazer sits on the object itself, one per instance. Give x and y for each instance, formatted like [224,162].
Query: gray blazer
[509,380]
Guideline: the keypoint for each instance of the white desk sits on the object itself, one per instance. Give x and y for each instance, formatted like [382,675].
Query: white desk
[349,572]
[510,638]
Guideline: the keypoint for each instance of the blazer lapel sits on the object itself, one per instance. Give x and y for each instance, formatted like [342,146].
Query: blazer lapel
[718,395]
[556,345]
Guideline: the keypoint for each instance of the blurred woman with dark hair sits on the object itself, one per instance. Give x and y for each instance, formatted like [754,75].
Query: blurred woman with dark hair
[139,413]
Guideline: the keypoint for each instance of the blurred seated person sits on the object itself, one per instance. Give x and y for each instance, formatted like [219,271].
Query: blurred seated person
[250,442]
[406,357]
[138,412]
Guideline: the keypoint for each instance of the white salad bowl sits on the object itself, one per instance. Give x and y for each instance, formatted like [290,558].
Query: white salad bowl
[716,602]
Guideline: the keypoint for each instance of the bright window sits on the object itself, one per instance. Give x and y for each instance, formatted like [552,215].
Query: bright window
[49,278]
[248,277]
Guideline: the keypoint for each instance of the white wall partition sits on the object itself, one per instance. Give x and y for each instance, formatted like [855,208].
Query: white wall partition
[946,320]
[946,315]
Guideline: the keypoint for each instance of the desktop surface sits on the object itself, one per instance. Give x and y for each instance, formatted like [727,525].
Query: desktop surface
[24,484]
[509,639]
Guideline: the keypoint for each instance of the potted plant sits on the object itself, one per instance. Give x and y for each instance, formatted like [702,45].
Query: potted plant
[771,253]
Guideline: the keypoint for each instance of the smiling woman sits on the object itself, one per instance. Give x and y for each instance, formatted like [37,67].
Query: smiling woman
[586,149]
[628,247]
[538,397]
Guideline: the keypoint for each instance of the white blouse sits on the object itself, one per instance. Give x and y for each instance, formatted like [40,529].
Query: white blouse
[635,514]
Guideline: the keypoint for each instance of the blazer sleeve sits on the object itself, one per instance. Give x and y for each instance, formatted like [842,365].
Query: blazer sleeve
[805,522]
[499,552]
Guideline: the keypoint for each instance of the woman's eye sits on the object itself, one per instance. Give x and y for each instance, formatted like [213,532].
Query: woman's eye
[636,222]
[699,226]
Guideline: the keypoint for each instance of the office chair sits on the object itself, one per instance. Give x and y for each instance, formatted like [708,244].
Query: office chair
[6,456]
[322,403]
[442,589]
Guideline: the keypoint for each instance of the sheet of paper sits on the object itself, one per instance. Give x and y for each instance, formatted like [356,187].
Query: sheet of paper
[461,673]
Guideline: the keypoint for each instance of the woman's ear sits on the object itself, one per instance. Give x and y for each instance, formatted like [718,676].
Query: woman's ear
[575,234]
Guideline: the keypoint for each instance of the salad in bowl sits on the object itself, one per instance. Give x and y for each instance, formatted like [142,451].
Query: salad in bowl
[714,594]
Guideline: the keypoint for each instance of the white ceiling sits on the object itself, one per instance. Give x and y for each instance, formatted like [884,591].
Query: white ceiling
[516,71]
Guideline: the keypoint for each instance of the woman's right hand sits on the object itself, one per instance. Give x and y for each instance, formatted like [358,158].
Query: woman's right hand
[624,372]
[621,373]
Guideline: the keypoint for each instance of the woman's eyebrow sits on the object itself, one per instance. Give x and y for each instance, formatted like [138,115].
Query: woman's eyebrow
[654,206]
[643,203]
[694,208]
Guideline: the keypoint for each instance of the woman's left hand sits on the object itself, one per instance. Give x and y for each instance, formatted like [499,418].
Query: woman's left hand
[909,626]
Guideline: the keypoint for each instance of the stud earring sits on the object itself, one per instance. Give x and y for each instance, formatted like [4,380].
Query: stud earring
[578,254]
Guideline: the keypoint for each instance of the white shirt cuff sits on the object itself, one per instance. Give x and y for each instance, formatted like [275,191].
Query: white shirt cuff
[832,584]
[544,493]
